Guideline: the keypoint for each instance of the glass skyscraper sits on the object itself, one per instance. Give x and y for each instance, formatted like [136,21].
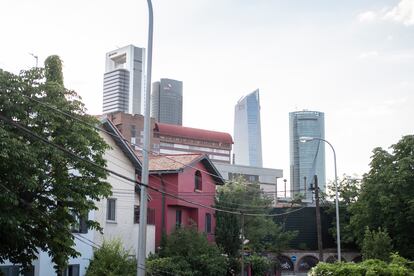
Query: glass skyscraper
[167,101]
[306,159]
[247,131]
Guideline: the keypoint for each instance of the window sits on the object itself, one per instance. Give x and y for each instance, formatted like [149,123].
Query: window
[14,270]
[197,181]
[208,223]
[178,217]
[150,215]
[110,210]
[72,270]
[80,225]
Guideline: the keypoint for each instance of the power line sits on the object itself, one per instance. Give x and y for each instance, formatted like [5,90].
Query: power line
[31,133]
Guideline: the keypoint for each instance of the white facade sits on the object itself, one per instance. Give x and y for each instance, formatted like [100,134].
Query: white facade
[247,149]
[265,177]
[123,227]
[123,88]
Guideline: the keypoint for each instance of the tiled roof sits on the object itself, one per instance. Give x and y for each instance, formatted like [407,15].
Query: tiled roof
[171,162]
[194,133]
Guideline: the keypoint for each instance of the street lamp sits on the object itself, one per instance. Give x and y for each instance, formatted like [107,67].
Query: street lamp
[338,232]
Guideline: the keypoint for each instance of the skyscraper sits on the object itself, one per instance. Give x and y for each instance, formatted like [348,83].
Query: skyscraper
[306,159]
[167,101]
[247,131]
[123,88]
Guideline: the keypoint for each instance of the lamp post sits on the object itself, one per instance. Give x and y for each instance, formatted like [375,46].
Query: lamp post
[338,231]
[142,236]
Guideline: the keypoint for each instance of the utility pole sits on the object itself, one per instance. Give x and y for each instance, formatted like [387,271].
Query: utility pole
[36,57]
[142,236]
[276,193]
[318,220]
[304,186]
[242,240]
[284,180]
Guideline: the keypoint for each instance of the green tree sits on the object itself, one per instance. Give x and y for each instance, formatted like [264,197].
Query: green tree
[348,191]
[386,199]
[376,245]
[43,191]
[262,233]
[188,252]
[111,259]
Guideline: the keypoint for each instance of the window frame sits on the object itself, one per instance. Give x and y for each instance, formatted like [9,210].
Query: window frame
[108,213]
[198,181]
[207,223]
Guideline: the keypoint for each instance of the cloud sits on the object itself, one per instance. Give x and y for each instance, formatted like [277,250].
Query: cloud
[368,16]
[402,13]
[370,54]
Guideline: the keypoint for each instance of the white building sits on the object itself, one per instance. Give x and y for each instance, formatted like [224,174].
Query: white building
[116,215]
[265,177]
[247,149]
[123,88]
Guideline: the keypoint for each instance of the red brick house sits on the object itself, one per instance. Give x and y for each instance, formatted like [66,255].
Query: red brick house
[189,176]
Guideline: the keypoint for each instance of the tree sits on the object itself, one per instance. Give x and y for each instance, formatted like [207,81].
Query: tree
[376,245]
[111,259]
[386,199]
[187,252]
[262,232]
[348,191]
[43,189]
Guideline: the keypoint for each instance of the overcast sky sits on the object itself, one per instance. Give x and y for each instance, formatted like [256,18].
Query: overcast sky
[353,60]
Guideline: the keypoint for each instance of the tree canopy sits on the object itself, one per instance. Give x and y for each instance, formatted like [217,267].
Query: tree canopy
[386,198]
[44,190]
[262,233]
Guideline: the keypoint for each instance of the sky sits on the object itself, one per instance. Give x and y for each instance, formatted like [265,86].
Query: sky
[352,60]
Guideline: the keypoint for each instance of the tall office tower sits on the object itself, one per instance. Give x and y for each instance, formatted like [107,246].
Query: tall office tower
[247,131]
[123,88]
[167,101]
[306,159]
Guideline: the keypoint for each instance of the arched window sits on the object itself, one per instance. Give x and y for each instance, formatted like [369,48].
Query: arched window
[197,181]
[208,223]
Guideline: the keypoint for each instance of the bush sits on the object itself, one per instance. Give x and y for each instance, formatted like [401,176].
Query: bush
[398,267]
[376,245]
[260,265]
[112,260]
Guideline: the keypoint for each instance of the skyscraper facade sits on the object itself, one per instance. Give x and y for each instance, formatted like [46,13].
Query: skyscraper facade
[247,131]
[306,159]
[167,101]
[123,88]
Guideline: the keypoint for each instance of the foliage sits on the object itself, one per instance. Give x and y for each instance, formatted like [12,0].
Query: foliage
[42,189]
[188,252]
[111,259]
[348,190]
[376,245]
[386,199]
[262,233]
[259,265]
[398,267]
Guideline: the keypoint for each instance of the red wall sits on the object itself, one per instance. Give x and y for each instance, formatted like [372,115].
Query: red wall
[182,185]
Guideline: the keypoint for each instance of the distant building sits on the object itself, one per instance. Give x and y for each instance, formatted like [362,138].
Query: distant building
[247,131]
[123,88]
[178,140]
[167,101]
[174,139]
[306,159]
[265,177]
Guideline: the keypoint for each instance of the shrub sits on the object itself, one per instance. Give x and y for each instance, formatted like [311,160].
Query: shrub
[111,259]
